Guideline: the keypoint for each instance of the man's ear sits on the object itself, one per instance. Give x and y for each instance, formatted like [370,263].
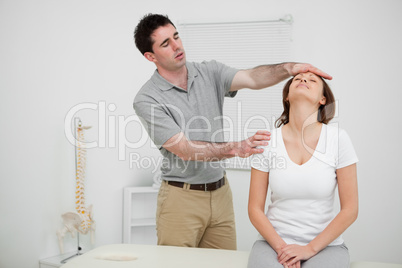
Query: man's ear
[150,56]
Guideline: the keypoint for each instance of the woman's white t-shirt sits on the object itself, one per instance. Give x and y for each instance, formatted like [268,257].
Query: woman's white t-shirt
[302,196]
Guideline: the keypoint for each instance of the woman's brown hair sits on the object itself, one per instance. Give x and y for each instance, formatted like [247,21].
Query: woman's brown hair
[325,112]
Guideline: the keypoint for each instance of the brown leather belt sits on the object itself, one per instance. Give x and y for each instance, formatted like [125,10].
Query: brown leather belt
[200,187]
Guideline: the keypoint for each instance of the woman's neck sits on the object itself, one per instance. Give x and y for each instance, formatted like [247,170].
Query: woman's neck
[301,117]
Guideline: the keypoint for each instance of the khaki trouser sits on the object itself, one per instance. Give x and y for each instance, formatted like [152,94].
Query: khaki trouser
[191,218]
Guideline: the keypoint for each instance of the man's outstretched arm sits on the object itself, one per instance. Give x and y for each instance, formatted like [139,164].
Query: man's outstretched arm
[268,75]
[209,151]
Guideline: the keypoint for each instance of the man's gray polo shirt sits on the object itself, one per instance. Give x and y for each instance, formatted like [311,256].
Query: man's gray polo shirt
[166,110]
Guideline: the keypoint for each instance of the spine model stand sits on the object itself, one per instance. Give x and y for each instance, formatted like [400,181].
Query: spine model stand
[82,220]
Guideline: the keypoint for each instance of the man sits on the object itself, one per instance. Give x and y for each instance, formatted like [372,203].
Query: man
[181,108]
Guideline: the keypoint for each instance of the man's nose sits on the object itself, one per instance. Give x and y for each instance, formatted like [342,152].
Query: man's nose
[175,45]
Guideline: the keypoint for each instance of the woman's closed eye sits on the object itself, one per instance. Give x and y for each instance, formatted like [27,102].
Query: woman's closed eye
[311,80]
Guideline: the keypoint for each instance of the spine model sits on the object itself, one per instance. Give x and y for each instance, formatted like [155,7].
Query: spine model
[84,213]
[80,221]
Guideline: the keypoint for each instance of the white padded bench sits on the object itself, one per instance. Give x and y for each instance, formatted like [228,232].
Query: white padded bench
[146,256]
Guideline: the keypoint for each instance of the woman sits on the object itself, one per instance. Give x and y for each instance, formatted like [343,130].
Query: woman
[304,162]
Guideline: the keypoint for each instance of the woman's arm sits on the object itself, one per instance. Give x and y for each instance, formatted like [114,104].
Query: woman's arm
[256,206]
[348,196]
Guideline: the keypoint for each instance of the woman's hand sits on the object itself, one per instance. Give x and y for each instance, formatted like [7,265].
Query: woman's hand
[296,265]
[291,255]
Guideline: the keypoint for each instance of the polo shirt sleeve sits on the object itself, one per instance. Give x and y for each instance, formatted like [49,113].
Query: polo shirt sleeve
[223,77]
[156,120]
[346,152]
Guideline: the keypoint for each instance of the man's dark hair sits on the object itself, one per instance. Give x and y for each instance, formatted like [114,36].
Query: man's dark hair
[147,25]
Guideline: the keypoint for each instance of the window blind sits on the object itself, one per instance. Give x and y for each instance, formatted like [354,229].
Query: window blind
[242,45]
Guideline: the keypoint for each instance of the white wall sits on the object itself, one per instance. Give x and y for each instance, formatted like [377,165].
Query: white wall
[57,54]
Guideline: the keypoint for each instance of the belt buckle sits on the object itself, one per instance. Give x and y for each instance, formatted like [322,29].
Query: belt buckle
[205,187]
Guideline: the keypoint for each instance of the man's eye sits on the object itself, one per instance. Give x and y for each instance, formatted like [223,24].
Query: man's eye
[165,45]
[297,79]
[313,80]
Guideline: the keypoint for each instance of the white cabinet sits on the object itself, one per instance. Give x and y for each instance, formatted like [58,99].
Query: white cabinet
[139,226]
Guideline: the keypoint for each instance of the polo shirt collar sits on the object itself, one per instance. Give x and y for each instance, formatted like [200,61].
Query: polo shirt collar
[164,85]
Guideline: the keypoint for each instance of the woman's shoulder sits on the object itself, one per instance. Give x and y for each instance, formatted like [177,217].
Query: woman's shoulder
[333,130]
[275,133]
[341,145]
[272,141]
[337,135]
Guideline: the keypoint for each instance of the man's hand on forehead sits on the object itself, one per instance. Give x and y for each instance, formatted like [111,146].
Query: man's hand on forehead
[306,67]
